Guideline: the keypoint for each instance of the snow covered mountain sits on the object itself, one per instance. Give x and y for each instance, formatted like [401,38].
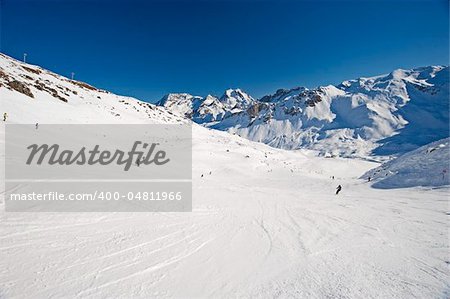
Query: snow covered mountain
[210,108]
[382,115]
[425,166]
[51,98]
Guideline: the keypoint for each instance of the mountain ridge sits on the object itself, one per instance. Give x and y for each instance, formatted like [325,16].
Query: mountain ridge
[368,117]
[51,98]
[379,115]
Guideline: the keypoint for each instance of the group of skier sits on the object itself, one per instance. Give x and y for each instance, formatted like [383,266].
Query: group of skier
[338,188]
[5,117]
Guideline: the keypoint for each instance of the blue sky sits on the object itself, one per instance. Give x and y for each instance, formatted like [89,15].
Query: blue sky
[147,49]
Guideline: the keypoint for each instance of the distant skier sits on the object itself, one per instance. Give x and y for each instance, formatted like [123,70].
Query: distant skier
[338,189]
[368,179]
[37,126]
[5,116]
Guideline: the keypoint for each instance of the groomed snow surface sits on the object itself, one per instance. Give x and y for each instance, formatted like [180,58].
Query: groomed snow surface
[265,223]
[260,227]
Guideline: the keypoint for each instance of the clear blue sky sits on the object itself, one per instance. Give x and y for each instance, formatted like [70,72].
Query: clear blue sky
[147,49]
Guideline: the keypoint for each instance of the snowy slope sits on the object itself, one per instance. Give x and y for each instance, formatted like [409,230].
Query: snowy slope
[425,166]
[265,223]
[382,115]
[51,98]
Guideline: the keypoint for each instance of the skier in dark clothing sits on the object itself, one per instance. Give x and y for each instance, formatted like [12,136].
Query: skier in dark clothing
[338,189]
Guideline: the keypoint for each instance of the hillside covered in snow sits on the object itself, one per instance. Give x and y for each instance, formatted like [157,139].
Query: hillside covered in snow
[426,166]
[50,98]
[382,115]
